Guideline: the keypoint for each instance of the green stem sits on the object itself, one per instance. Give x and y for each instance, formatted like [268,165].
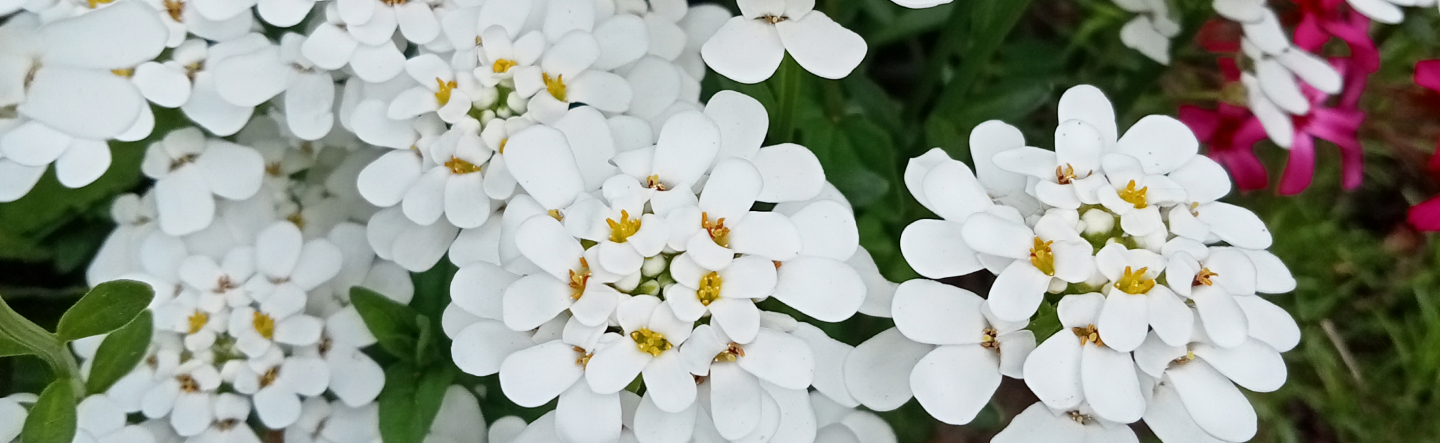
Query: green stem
[43,344]
[788,92]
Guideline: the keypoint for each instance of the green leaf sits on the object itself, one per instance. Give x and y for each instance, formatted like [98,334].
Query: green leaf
[411,400]
[119,353]
[392,323]
[106,308]
[52,419]
[9,347]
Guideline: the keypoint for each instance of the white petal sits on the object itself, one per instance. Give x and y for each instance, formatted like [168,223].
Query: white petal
[615,365]
[955,382]
[1270,323]
[534,300]
[535,376]
[83,163]
[540,160]
[1111,384]
[120,36]
[1216,405]
[1125,320]
[1252,365]
[822,46]
[1224,321]
[1018,290]
[927,311]
[481,348]
[231,171]
[83,103]
[792,173]
[936,249]
[825,289]
[734,400]
[870,371]
[745,50]
[1053,371]
[1161,143]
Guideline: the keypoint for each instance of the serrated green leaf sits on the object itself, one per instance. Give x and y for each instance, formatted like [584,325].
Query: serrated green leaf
[392,323]
[107,307]
[119,353]
[52,419]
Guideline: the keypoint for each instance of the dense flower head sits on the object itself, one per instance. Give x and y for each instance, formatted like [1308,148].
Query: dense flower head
[1155,284]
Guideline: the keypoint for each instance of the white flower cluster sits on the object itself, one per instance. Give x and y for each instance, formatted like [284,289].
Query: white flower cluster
[1387,11]
[1155,280]
[835,423]
[1277,65]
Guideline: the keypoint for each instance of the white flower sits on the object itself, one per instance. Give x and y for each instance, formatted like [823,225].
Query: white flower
[274,388]
[367,48]
[749,48]
[1150,31]
[1273,89]
[736,373]
[289,267]
[1134,302]
[537,375]
[442,89]
[956,380]
[623,232]
[453,184]
[182,19]
[1383,11]
[325,422]
[414,247]
[500,54]
[219,285]
[1045,258]
[728,294]
[1041,423]
[721,223]
[415,19]
[14,415]
[191,171]
[186,396]
[258,332]
[459,419]
[230,412]
[564,283]
[566,75]
[134,217]
[355,379]
[100,420]
[1076,366]
[161,360]
[199,326]
[836,421]
[652,336]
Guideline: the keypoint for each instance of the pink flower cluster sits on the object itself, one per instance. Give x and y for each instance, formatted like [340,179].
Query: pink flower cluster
[1426,216]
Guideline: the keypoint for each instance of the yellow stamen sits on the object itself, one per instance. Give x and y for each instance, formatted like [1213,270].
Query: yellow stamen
[187,383]
[717,229]
[585,357]
[273,169]
[443,95]
[1042,257]
[298,219]
[270,376]
[127,72]
[1135,282]
[556,85]
[1134,196]
[198,321]
[1087,335]
[1065,174]
[653,182]
[461,167]
[175,8]
[1077,417]
[987,340]
[621,231]
[264,324]
[650,342]
[773,19]
[1189,356]
[1203,277]
[709,288]
[556,214]
[503,142]
[96,3]
[578,280]
[502,66]
[731,353]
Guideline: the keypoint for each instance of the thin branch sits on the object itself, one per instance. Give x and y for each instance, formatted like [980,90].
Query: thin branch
[1345,355]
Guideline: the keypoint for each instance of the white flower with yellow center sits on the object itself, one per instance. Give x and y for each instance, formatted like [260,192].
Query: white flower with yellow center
[736,373]
[1135,302]
[199,327]
[499,54]
[727,295]
[1045,258]
[536,376]
[624,233]
[750,47]
[290,267]
[721,224]
[217,286]
[258,333]
[275,388]
[367,49]
[182,19]
[230,413]
[650,346]
[1079,424]
[566,75]
[566,280]
[1205,219]
[1137,197]
[956,380]
[442,89]
[190,172]
[185,396]
[1076,366]
[454,184]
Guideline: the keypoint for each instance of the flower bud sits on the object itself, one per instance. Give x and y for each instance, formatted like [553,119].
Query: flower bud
[653,266]
[1098,222]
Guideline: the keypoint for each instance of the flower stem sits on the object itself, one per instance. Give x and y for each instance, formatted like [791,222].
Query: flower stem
[42,343]
[788,92]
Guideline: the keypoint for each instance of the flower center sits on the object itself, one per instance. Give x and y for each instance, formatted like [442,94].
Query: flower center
[773,19]
[621,231]
[503,65]
[461,167]
[585,357]
[96,3]
[653,182]
[1134,196]
[1088,334]
[650,342]
[198,320]
[1042,257]
[731,353]
[188,383]
[556,214]
[182,161]
[1065,174]
[273,169]
[987,340]
[126,72]
[225,284]
[1079,418]
[1135,282]
[1204,276]
[393,2]
[443,94]
[175,8]
[1187,358]
[717,229]
[297,219]
[709,288]
[226,425]
[1195,209]
[579,279]
[264,324]
[269,377]
[556,85]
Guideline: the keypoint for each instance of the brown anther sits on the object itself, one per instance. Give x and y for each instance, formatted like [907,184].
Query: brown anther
[988,341]
[270,377]
[1088,334]
[584,359]
[1065,174]
[773,19]
[188,383]
[175,8]
[1204,277]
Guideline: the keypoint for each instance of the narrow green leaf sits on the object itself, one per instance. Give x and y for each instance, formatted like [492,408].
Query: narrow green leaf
[106,308]
[119,353]
[9,347]
[397,405]
[424,341]
[52,419]
[392,323]
[429,395]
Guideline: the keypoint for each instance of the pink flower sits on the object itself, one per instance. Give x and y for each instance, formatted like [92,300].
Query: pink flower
[1426,216]
[1322,19]
[1338,124]
[1230,133]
